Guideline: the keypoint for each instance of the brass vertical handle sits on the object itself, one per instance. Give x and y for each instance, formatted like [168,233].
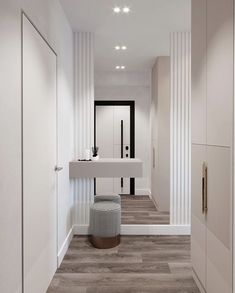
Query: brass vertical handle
[204,188]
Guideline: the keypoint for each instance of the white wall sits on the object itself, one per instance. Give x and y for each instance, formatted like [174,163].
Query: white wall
[132,86]
[84,120]
[49,18]
[180,212]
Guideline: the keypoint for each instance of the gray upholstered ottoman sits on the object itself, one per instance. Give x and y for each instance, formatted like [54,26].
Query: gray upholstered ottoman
[105,223]
[108,197]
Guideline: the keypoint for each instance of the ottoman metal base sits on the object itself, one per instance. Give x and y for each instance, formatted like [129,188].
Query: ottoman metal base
[105,242]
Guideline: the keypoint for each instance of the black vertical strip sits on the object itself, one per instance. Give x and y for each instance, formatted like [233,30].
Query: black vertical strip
[122,148]
[132,142]
[121,139]
[22,167]
[94,125]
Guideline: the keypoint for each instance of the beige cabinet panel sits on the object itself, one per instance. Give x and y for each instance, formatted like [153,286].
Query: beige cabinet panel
[198,157]
[161,133]
[219,72]
[198,249]
[198,239]
[219,265]
[212,126]
[219,214]
[199,71]
[219,220]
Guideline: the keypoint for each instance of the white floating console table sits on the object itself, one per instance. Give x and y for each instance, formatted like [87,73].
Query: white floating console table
[104,168]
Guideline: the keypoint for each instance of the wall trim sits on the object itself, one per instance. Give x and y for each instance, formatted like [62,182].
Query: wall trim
[142,230]
[64,247]
[180,154]
[198,283]
[139,191]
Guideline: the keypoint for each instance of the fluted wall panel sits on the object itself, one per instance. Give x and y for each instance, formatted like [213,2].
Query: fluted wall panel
[180,192]
[84,119]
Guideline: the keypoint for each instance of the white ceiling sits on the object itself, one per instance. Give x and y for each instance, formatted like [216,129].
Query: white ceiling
[145,30]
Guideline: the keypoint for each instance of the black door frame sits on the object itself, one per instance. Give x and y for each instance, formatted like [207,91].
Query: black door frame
[131,104]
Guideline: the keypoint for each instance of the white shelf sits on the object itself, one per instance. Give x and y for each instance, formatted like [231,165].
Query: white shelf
[105,168]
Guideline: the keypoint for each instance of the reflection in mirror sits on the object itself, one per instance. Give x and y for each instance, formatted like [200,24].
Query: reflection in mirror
[142,110]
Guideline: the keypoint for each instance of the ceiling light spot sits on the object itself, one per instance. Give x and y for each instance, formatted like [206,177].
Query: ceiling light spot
[124,47]
[126,9]
[123,67]
[117,67]
[117,47]
[116,9]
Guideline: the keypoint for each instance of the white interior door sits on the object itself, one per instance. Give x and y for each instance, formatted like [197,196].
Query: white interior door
[110,121]
[39,160]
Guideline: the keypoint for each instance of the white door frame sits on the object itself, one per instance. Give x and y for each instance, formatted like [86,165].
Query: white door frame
[24,14]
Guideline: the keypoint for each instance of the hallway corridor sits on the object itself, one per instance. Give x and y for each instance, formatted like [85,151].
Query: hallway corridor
[141,210]
[140,264]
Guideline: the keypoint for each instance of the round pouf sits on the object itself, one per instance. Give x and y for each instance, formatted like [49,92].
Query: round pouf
[108,197]
[105,223]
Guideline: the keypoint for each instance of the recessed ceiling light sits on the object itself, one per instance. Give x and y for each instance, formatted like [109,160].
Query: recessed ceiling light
[116,9]
[117,47]
[124,47]
[123,67]
[126,9]
[117,67]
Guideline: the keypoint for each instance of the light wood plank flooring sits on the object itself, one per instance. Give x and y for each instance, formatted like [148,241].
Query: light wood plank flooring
[140,209]
[140,264]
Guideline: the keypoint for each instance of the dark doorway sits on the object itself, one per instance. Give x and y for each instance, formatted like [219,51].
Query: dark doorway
[131,105]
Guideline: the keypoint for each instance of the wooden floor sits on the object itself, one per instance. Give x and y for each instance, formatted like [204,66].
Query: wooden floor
[141,210]
[140,264]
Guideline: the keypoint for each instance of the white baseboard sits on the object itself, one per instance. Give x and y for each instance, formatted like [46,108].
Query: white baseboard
[142,192]
[198,283]
[142,230]
[64,247]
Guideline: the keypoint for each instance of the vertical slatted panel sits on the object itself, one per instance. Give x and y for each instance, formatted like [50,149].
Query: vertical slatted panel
[84,119]
[180,128]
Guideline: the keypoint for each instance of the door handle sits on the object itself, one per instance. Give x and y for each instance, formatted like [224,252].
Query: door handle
[122,148]
[204,187]
[58,169]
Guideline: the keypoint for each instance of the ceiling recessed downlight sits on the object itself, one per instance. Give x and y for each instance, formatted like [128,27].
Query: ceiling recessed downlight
[126,9]
[116,9]
[123,67]
[120,48]
[117,67]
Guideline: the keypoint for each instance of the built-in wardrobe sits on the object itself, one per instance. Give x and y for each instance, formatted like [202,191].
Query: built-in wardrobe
[160,124]
[212,144]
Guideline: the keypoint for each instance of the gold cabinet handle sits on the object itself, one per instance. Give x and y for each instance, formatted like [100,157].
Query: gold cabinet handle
[204,187]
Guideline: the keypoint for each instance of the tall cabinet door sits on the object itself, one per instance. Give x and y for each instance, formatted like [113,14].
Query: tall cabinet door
[212,126]
[219,220]
[219,72]
[39,160]
[220,81]
[198,239]
[199,139]
[199,71]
